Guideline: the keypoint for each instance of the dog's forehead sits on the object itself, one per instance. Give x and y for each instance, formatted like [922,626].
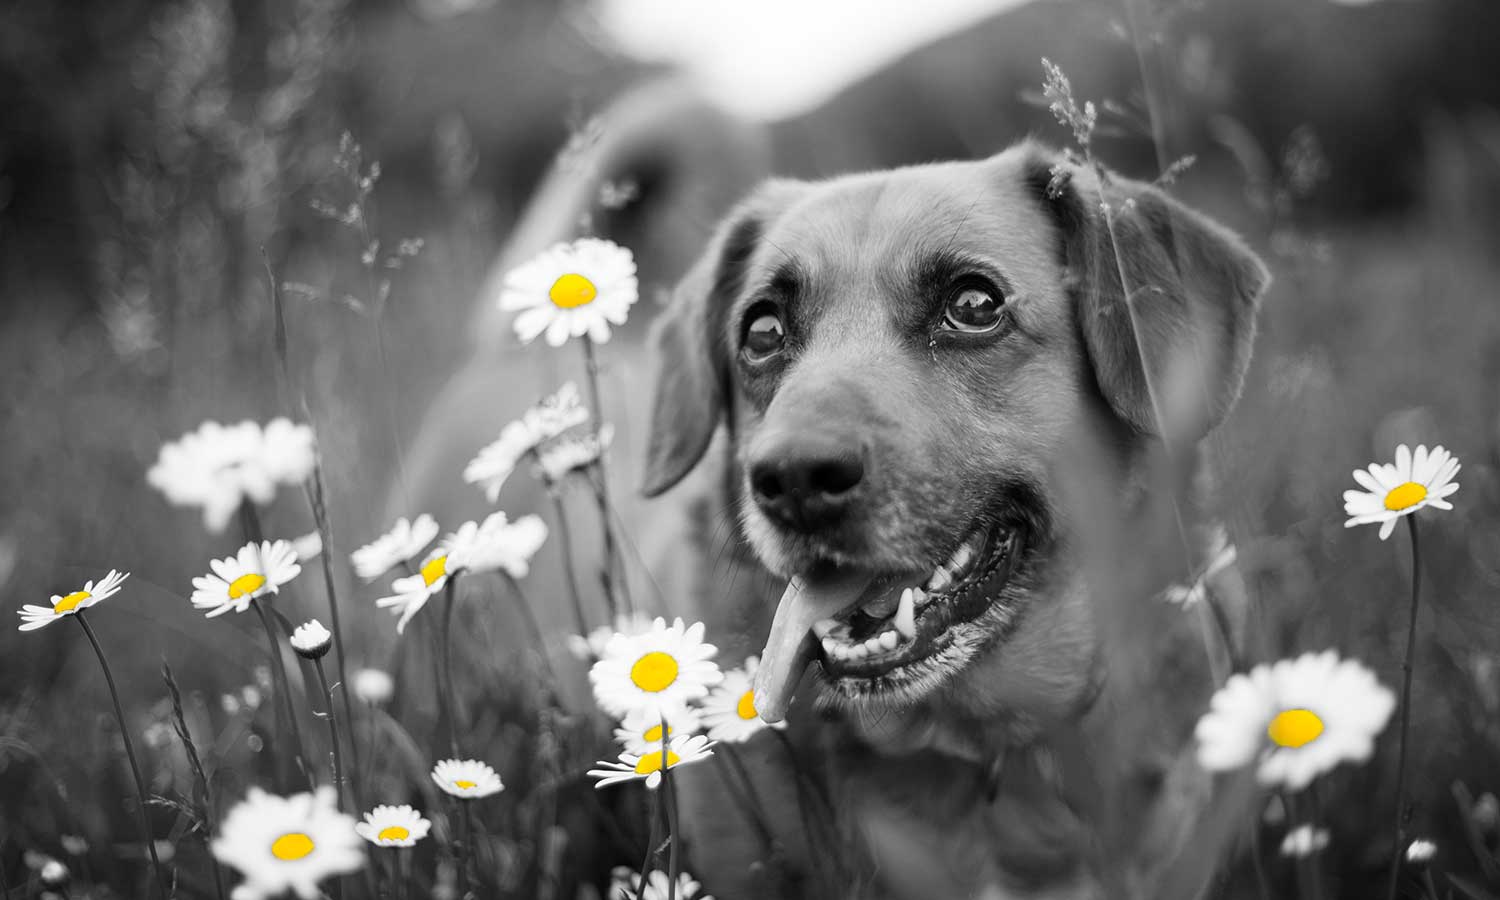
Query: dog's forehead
[896,219]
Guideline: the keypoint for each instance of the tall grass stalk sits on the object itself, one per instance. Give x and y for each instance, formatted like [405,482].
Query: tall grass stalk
[281,686]
[445,667]
[1407,664]
[135,767]
[315,499]
[601,491]
[739,784]
[201,786]
[565,542]
[333,731]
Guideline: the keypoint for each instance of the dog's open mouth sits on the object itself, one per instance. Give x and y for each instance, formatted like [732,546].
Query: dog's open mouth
[874,631]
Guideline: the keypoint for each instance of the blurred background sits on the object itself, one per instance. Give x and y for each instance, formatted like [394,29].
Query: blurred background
[164,164]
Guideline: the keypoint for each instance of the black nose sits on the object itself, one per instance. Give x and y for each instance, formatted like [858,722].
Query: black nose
[806,483]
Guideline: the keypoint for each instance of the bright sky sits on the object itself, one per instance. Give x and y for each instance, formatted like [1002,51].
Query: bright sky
[775,58]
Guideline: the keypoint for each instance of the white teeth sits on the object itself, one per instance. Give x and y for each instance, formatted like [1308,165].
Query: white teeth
[830,646]
[906,614]
[823,627]
[858,651]
[888,640]
[961,558]
[939,580]
[872,645]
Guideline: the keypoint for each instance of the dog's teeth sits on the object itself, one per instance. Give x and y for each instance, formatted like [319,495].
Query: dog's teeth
[842,651]
[856,652]
[888,640]
[872,645]
[824,627]
[961,558]
[920,596]
[906,614]
[830,647]
[939,580]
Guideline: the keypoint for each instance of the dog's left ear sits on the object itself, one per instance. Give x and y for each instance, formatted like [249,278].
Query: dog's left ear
[1152,278]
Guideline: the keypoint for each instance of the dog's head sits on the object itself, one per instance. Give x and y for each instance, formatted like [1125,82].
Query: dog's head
[912,365]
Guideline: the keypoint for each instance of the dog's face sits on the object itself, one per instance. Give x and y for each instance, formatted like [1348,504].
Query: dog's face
[913,366]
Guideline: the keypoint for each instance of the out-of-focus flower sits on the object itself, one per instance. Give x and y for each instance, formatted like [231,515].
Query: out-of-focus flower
[499,544]
[565,455]
[404,542]
[393,826]
[555,414]
[311,640]
[641,731]
[54,874]
[1295,719]
[1222,555]
[647,767]
[218,466]
[729,712]
[1304,840]
[1416,480]
[591,647]
[469,779]
[309,546]
[257,570]
[1486,814]
[373,686]
[282,844]
[34,617]
[625,884]
[1420,851]
[572,290]
[666,667]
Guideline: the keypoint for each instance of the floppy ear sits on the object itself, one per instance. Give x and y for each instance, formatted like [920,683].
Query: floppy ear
[1154,279]
[692,368]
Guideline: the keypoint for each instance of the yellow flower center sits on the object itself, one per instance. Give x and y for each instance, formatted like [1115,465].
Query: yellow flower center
[653,733]
[70,602]
[465,785]
[572,291]
[654,672]
[1405,496]
[1295,728]
[746,707]
[393,833]
[292,846]
[246,584]
[651,762]
[434,569]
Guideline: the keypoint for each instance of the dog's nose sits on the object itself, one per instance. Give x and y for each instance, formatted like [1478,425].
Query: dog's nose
[806,483]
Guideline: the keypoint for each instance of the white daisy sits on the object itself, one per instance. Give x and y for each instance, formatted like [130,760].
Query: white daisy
[257,570]
[591,646]
[572,290]
[559,458]
[413,591]
[1420,851]
[393,826]
[1303,841]
[555,414]
[373,686]
[34,617]
[282,844]
[1294,719]
[500,545]
[311,639]
[664,667]
[729,712]
[467,778]
[647,767]
[625,884]
[218,466]
[1222,554]
[404,542]
[308,547]
[641,731]
[1416,480]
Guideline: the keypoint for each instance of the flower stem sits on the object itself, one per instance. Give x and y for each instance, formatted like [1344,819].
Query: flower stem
[446,650]
[601,488]
[465,850]
[203,790]
[314,490]
[565,541]
[654,833]
[674,860]
[135,768]
[333,732]
[537,640]
[281,685]
[1406,673]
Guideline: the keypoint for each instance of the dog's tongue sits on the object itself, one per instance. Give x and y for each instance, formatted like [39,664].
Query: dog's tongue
[791,645]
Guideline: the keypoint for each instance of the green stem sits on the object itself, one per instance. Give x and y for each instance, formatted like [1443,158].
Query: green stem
[674,857]
[135,768]
[601,489]
[333,732]
[465,850]
[565,541]
[1406,673]
[281,685]
[654,834]
[325,535]
[446,648]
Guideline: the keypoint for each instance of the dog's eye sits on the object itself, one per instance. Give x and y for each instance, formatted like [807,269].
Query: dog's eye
[972,310]
[764,336]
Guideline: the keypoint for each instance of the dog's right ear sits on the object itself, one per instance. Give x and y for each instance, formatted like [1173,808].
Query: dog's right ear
[692,359]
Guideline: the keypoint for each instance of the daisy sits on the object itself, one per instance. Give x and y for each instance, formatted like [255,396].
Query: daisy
[219,467]
[664,667]
[1303,841]
[34,617]
[1416,480]
[282,844]
[625,884]
[308,547]
[1420,851]
[681,751]
[257,570]
[1222,555]
[413,591]
[729,712]
[641,731]
[498,544]
[468,779]
[565,455]
[311,640]
[404,542]
[571,290]
[555,414]
[1294,719]
[393,826]
[373,686]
